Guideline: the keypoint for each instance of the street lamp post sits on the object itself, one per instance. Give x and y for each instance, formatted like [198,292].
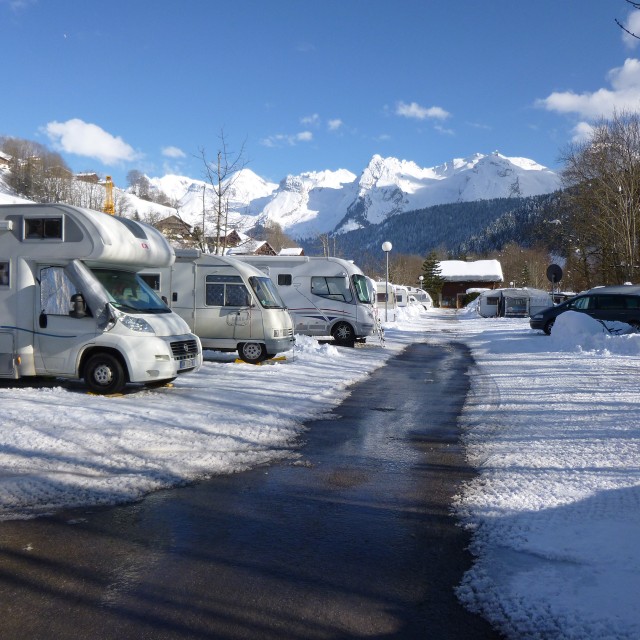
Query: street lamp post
[421,278]
[386,247]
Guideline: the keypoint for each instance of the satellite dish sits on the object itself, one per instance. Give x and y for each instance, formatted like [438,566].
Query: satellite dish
[554,273]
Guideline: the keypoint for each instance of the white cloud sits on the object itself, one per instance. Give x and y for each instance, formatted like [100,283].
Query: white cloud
[444,130]
[582,132]
[89,140]
[286,139]
[633,25]
[335,124]
[312,120]
[624,95]
[414,110]
[173,152]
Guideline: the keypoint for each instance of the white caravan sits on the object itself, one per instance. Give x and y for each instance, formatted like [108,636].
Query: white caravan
[402,295]
[420,297]
[325,296]
[73,306]
[513,302]
[386,301]
[228,304]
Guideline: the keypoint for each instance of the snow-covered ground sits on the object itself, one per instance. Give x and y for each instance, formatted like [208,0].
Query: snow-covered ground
[551,423]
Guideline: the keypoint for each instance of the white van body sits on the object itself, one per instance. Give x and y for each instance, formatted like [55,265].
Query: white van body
[325,296]
[517,302]
[402,295]
[228,304]
[387,306]
[62,312]
[420,297]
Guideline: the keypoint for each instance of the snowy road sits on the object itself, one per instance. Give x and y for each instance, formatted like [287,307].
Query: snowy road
[356,539]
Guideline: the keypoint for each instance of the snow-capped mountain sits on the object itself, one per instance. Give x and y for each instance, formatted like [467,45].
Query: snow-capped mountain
[326,201]
[312,203]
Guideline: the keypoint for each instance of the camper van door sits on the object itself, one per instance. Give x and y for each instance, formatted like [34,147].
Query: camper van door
[60,328]
[223,300]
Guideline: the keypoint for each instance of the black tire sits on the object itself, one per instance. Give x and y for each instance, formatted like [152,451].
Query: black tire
[549,326]
[104,374]
[343,334]
[252,352]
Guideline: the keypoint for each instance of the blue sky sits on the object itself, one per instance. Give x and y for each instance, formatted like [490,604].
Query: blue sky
[309,86]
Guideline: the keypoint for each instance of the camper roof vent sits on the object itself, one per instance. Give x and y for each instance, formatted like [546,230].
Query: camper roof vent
[6,225]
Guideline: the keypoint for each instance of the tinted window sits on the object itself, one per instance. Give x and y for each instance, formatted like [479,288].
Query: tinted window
[284,279]
[611,302]
[42,228]
[4,273]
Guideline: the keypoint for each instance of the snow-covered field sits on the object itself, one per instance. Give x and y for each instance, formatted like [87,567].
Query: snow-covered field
[552,424]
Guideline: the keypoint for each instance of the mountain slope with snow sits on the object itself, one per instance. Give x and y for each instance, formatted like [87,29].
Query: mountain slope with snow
[319,202]
[336,201]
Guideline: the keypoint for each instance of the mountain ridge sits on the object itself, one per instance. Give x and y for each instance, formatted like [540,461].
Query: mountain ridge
[320,202]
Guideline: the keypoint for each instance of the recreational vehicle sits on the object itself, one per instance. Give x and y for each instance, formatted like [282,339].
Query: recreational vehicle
[228,304]
[325,296]
[420,297]
[73,306]
[513,303]
[402,295]
[386,301]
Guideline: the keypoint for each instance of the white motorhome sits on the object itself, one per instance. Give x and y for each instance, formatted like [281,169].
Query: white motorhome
[420,297]
[228,304]
[519,302]
[73,306]
[325,296]
[402,295]
[386,301]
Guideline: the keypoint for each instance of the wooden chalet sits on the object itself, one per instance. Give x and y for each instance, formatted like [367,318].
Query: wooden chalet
[459,276]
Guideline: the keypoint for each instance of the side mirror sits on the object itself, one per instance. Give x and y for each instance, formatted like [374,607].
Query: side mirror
[78,306]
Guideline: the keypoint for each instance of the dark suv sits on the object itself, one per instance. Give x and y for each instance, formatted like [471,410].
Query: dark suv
[620,303]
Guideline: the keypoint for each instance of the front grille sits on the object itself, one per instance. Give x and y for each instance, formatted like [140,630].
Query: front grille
[184,349]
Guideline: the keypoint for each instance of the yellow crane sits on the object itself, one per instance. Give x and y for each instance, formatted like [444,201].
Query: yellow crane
[108,197]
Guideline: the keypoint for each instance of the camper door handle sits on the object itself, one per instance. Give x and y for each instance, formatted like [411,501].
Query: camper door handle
[42,321]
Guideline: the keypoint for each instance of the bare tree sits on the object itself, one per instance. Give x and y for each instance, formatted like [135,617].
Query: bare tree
[602,178]
[222,175]
[635,5]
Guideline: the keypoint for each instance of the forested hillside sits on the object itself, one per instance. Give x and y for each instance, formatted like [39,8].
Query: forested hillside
[461,228]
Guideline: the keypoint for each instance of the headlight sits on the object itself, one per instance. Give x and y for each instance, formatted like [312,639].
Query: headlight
[135,324]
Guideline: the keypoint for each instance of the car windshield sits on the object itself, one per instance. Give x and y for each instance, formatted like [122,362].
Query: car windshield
[362,290]
[266,292]
[129,293]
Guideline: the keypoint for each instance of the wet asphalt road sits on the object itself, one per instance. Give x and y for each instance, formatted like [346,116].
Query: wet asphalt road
[357,541]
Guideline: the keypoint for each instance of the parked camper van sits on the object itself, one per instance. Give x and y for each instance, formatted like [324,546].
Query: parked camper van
[386,301]
[420,297]
[513,303]
[325,296]
[72,304]
[229,304]
[402,295]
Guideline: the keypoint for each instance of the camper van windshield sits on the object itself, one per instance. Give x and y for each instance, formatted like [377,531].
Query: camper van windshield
[128,292]
[266,292]
[362,290]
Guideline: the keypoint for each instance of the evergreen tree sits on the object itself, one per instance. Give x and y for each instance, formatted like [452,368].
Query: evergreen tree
[433,281]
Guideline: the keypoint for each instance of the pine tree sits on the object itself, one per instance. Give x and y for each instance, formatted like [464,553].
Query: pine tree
[433,281]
